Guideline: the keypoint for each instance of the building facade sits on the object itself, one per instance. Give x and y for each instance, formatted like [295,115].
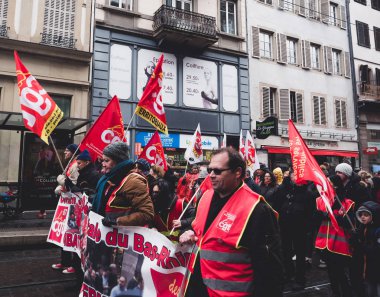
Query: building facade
[365,28]
[53,40]
[205,68]
[300,69]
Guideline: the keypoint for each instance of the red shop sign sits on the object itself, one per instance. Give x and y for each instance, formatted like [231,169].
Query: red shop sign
[371,150]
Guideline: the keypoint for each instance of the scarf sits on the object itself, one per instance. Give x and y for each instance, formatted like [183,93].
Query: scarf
[122,166]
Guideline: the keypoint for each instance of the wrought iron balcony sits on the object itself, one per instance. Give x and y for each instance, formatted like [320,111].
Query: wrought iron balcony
[369,91]
[57,40]
[3,31]
[184,28]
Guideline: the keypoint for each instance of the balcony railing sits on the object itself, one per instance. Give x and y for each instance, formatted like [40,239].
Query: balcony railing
[57,40]
[369,90]
[3,31]
[167,17]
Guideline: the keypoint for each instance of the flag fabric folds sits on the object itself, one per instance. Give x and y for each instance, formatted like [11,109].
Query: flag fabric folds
[250,153]
[108,128]
[154,152]
[194,152]
[40,113]
[242,145]
[150,106]
[306,168]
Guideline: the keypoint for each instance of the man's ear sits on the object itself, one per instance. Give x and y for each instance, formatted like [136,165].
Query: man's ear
[239,172]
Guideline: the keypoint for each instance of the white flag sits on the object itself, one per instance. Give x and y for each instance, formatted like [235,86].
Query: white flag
[250,153]
[241,145]
[194,152]
[224,141]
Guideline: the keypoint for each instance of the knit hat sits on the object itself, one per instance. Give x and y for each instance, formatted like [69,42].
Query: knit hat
[84,156]
[72,148]
[117,151]
[345,168]
[360,210]
[143,165]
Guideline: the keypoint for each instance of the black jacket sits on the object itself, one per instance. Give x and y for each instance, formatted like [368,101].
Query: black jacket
[355,191]
[87,180]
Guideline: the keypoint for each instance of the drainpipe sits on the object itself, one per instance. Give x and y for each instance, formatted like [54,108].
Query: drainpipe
[353,79]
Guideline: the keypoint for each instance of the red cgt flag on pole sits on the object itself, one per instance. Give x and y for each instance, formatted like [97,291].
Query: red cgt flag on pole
[241,145]
[154,152]
[40,113]
[108,128]
[306,168]
[150,106]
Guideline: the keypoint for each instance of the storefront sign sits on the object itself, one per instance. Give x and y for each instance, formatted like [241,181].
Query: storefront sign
[200,83]
[147,60]
[120,80]
[374,144]
[371,150]
[266,128]
[170,140]
[208,142]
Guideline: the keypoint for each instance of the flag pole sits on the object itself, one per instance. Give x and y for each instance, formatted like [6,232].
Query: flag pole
[56,153]
[345,213]
[72,157]
[129,124]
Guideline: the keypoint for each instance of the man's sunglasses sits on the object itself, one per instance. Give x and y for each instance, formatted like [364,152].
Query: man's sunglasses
[216,170]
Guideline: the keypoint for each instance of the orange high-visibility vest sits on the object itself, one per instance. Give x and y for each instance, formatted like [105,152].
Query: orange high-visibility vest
[335,241]
[226,267]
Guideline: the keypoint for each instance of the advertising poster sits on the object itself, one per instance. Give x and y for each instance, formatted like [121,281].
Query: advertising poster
[120,80]
[147,60]
[200,83]
[134,261]
[230,88]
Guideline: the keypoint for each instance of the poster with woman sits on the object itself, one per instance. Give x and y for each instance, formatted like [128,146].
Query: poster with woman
[200,83]
[147,60]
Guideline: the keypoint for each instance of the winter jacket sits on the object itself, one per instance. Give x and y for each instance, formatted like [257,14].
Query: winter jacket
[355,191]
[269,192]
[87,179]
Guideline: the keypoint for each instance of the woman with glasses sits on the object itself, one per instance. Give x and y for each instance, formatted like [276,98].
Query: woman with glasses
[168,208]
[268,187]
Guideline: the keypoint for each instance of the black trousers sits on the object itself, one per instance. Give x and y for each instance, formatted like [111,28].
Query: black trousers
[337,269]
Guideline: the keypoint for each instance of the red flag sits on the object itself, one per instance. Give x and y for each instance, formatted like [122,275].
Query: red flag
[108,128]
[150,106]
[154,152]
[242,145]
[306,168]
[204,186]
[40,113]
[194,151]
[250,153]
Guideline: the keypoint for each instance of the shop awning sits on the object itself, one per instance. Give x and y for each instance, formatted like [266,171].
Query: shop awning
[14,121]
[315,152]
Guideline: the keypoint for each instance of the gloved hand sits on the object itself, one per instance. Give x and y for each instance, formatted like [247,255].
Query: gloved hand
[61,179]
[109,222]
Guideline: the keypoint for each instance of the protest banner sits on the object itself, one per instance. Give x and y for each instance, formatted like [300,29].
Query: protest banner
[137,261]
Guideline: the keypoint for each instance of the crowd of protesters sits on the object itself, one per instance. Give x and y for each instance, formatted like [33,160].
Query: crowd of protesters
[134,193]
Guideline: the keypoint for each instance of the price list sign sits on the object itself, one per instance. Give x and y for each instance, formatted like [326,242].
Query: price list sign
[200,83]
[147,60]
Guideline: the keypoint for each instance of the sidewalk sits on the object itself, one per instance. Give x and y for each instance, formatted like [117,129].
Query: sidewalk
[26,229]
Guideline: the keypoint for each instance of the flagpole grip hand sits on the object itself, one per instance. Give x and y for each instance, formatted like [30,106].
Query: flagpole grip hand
[177,224]
[188,237]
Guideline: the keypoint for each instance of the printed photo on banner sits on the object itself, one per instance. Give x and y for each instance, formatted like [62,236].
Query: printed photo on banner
[132,261]
[120,80]
[200,83]
[147,60]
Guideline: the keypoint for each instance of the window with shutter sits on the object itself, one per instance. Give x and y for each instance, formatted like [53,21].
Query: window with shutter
[291,50]
[299,109]
[59,21]
[316,112]
[281,4]
[127,4]
[343,21]
[376,32]
[266,102]
[328,59]
[344,114]
[319,110]
[302,7]
[338,119]
[284,104]
[3,17]
[363,74]
[255,42]
[281,48]
[334,14]
[228,16]
[362,31]
[306,59]
[312,9]
[340,113]
[266,44]
[289,5]
[323,110]
[315,55]
[364,2]
[347,65]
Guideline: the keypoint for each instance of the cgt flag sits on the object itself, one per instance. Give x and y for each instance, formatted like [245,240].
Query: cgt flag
[108,128]
[250,153]
[306,168]
[40,113]
[241,145]
[194,152]
[150,106]
[154,152]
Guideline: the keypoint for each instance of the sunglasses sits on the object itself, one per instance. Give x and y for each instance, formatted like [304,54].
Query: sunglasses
[216,170]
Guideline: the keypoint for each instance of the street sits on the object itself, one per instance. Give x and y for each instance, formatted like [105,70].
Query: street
[28,273]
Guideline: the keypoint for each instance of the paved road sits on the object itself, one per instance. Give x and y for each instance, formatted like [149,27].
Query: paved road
[27,273]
